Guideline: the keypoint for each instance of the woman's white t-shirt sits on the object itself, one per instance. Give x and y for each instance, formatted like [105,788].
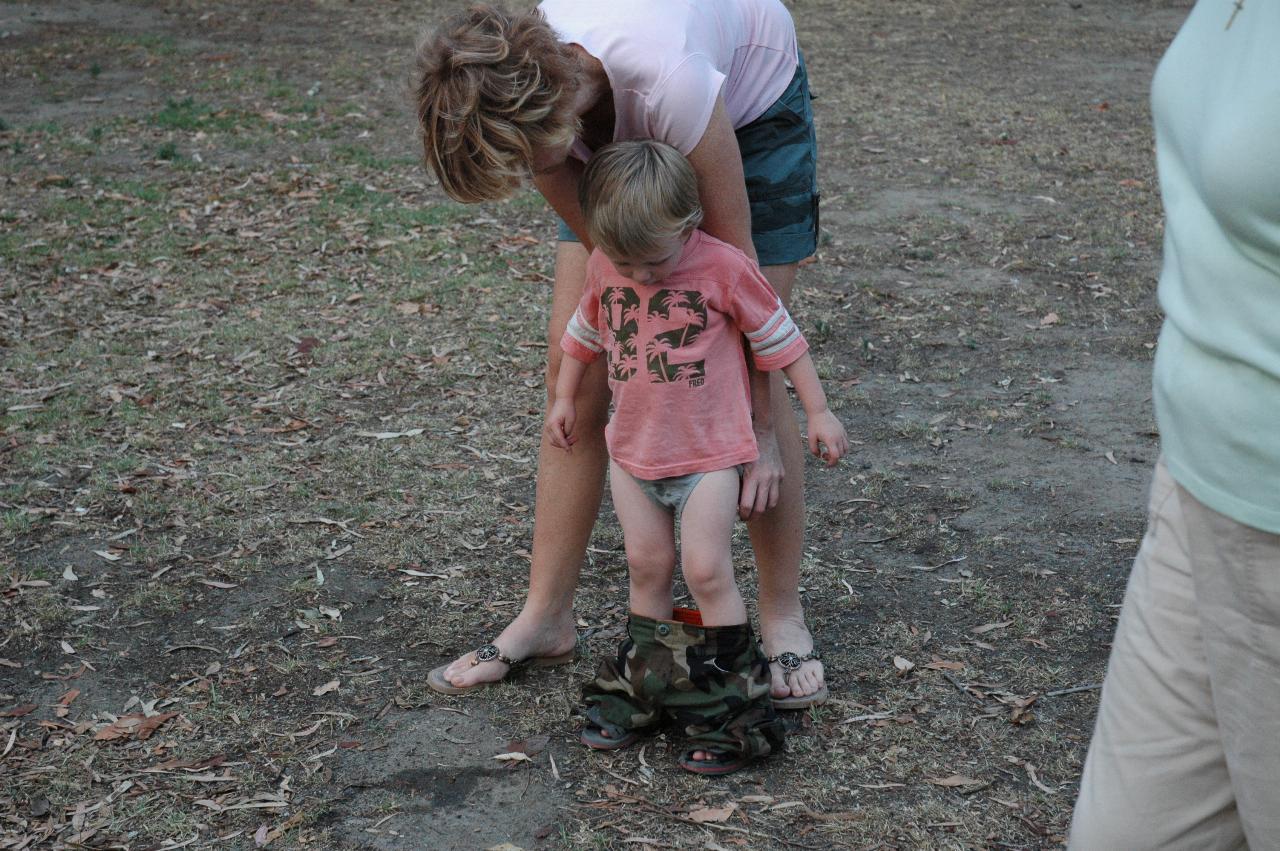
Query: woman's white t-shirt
[667,60]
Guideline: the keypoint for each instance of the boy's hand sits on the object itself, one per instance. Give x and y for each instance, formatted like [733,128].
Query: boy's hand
[560,422]
[826,431]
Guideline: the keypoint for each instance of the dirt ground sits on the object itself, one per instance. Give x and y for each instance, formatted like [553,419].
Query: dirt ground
[269,409]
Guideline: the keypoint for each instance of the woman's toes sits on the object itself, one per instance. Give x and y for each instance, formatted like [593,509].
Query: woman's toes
[806,682]
[778,682]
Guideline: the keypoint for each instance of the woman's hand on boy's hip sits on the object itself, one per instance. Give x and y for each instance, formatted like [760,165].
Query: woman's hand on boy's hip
[762,479]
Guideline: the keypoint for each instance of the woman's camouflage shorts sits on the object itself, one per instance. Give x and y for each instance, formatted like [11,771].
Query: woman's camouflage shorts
[711,681]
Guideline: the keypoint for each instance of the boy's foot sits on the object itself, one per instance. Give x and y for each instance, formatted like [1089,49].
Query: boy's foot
[799,688]
[713,762]
[607,737]
[524,638]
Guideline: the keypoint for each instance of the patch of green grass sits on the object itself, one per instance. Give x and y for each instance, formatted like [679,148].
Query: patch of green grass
[46,610]
[362,155]
[191,115]
[167,151]
[281,91]
[16,522]
[153,600]
[141,190]
[158,44]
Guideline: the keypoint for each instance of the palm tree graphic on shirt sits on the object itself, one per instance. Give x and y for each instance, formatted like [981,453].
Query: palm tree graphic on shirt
[682,314]
[685,314]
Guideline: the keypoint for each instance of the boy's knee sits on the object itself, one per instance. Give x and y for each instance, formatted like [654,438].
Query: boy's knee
[709,577]
[650,564]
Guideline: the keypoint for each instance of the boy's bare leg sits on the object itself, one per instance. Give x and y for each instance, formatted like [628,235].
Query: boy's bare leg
[569,488]
[650,536]
[777,537]
[706,556]
[649,532]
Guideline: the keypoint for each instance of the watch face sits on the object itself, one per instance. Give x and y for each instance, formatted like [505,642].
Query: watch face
[487,653]
[790,661]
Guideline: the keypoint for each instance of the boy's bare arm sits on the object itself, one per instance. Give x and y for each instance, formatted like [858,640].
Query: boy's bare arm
[563,416]
[824,428]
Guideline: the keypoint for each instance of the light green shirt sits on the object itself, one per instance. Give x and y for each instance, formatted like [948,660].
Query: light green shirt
[1216,103]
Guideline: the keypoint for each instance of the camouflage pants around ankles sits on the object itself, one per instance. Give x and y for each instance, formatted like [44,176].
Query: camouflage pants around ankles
[712,681]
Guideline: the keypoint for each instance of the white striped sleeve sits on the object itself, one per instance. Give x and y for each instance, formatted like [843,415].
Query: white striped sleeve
[581,331]
[775,336]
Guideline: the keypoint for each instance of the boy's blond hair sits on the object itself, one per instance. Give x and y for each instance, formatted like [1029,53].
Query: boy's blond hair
[635,194]
[491,87]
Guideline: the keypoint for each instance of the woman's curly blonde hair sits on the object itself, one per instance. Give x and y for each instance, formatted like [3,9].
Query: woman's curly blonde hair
[492,87]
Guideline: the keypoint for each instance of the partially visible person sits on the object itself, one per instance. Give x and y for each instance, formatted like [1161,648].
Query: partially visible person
[1186,751]
[502,96]
[669,305]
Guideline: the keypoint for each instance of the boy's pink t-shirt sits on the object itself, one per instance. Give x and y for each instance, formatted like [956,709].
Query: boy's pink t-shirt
[681,398]
[667,60]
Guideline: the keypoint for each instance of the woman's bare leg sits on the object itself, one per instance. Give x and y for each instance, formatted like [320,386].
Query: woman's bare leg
[569,489]
[777,536]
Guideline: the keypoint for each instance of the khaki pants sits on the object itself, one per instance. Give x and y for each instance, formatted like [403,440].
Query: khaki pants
[1186,751]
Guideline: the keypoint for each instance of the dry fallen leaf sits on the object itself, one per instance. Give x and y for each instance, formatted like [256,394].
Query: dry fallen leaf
[940,664]
[390,435]
[903,665]
[532,746]
[332,685]
[987,627]
[139,727]
[953,780]
[18,711]
[702,815]
[513,756]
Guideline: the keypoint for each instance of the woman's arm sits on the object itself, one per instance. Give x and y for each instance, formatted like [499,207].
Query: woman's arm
[726,215]
[722,185]
[559,185]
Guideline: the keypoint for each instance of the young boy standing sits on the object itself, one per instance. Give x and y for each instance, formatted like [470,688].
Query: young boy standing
[670,305]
